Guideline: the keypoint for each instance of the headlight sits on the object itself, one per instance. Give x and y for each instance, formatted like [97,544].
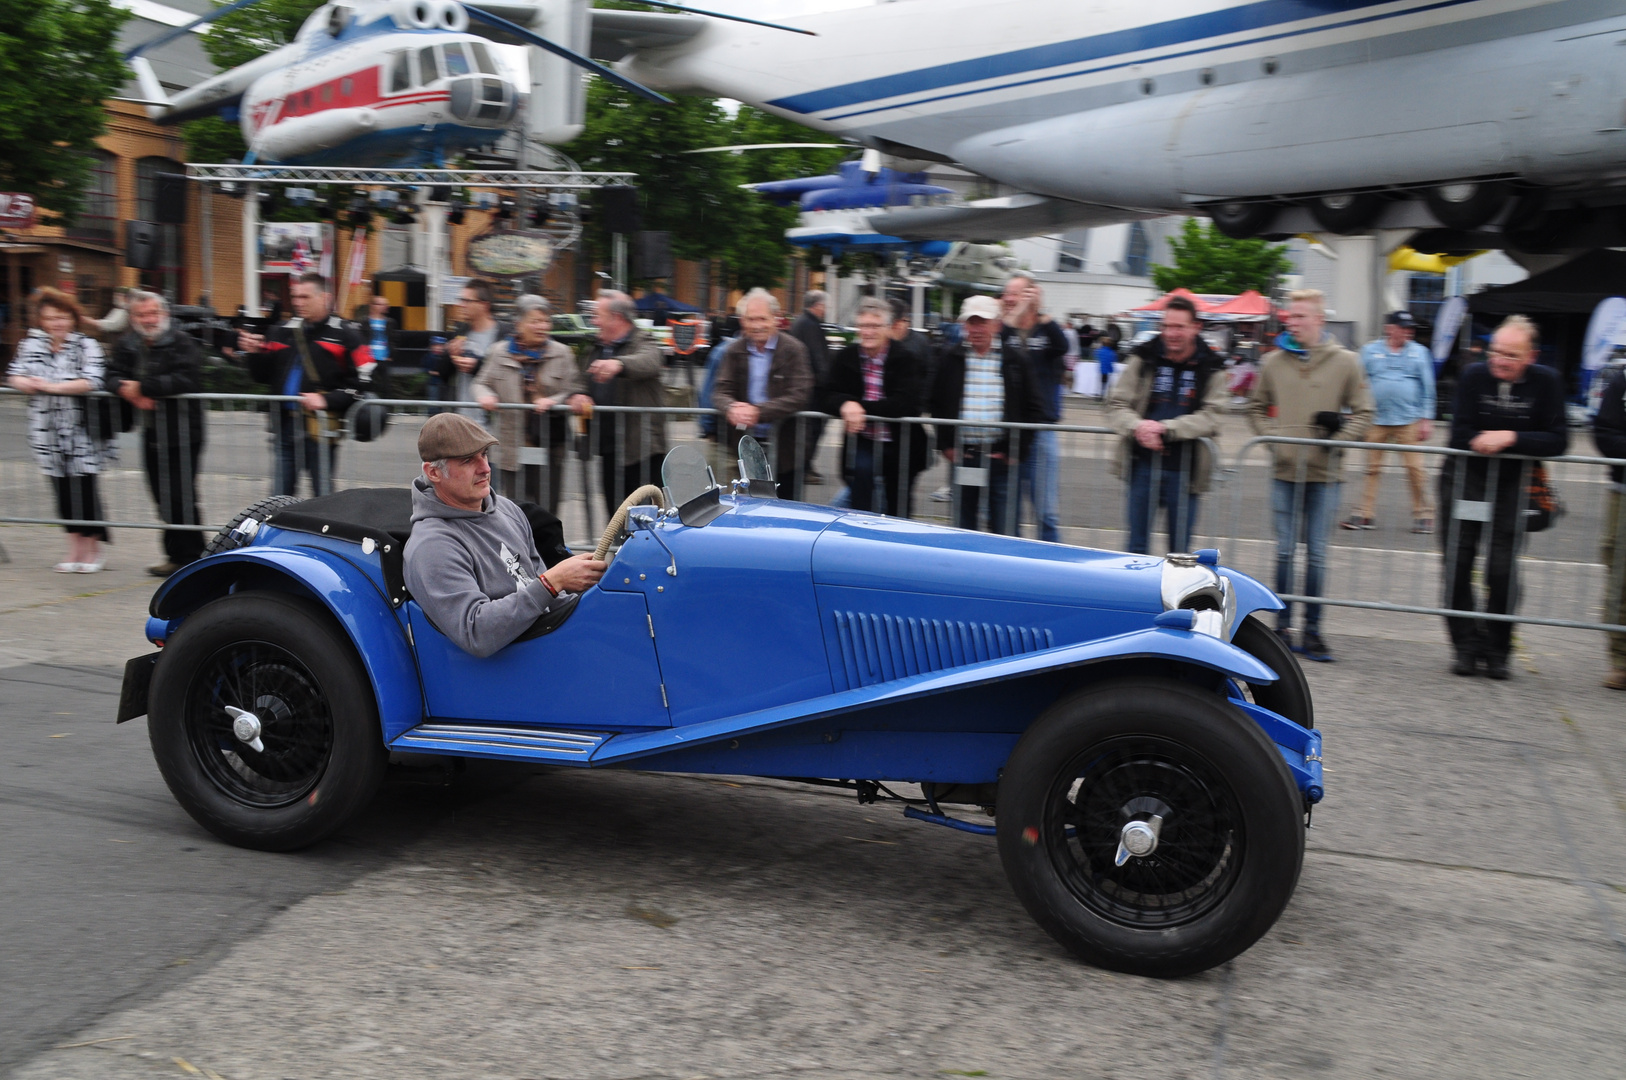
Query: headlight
[1190,581]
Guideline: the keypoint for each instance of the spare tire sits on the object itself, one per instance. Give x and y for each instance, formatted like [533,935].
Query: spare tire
[232,536]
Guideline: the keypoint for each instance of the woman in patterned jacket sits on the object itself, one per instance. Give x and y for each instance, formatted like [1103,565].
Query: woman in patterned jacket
[56,366]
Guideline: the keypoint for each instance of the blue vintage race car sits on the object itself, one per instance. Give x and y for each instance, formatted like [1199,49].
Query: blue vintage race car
[1144,743]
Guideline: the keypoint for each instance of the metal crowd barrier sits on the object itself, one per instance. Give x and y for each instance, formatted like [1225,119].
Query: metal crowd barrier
[1557,578]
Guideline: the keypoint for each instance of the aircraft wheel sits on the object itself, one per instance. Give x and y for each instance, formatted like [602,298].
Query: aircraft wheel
[1150,828]
[1467,206]
[1242,220]
[1289,695]
[1342,214]
[263,723]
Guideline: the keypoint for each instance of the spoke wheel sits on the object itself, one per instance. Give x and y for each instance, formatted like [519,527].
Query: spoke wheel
[1150,827]
[263,721]
[1199,846]
[291,722]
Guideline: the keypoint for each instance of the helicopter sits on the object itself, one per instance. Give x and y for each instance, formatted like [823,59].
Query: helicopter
[393,83]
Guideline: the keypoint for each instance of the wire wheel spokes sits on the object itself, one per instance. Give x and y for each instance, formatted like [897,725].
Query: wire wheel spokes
[294,724]
[1159,783]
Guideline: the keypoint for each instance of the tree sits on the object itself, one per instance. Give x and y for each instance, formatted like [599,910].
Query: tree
[58,62]
[1208,261]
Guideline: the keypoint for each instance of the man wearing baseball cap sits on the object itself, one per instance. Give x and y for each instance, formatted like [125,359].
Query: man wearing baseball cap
[1401,374]
[978,379]
[471,561]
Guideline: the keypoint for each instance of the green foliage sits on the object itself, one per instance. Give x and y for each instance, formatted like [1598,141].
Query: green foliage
[697,197]
[236,39]
[58,62]
[1208,261]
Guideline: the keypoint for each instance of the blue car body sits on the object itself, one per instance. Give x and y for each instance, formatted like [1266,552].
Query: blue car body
[778,639]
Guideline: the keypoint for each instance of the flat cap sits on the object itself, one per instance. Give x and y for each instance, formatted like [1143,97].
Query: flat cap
[452,435]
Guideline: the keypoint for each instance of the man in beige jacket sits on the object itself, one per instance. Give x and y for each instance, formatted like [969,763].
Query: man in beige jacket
[1310,387]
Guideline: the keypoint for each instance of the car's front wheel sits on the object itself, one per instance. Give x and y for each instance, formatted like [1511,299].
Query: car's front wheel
[1150,827]
[262,722]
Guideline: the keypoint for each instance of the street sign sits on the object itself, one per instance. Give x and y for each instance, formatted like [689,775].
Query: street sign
[16,210]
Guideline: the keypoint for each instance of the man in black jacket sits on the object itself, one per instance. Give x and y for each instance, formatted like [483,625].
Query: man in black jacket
[320,359]
[151,364]
[868,379]
[1503,406]
[1609,432]
[977,379]
[809,330]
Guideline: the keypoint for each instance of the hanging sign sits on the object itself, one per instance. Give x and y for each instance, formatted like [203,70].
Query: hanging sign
[16,210]
[507,254]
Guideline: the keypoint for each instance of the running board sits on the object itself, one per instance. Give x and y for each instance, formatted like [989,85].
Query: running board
[501,741]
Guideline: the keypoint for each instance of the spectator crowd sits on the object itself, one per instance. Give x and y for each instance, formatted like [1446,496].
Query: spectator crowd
[992,389]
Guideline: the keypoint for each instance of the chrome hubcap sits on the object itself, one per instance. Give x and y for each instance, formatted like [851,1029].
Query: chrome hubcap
[1139,839]
[246,726]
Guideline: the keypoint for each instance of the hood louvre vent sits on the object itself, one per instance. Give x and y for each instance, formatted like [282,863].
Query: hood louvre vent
[880,648]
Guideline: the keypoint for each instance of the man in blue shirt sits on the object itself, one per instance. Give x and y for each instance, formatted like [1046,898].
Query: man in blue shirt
[764,378]
[1401,375]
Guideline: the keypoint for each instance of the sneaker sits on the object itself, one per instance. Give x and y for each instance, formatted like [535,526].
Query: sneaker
[1465,664]
[1616,680]
[943,494]
[1313,648]
[1355,521]
[1496,668]
[90,567]
[1423,526]
[66,567]
[163,569]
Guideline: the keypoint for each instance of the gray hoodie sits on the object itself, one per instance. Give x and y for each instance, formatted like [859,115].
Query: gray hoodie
[475,573]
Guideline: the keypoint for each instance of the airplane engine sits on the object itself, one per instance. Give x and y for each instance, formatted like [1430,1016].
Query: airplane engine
[449,16]
[417,14]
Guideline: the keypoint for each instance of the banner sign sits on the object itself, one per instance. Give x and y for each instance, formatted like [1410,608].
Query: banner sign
[1446,325]
[283,243]
[16,210]
[510,254]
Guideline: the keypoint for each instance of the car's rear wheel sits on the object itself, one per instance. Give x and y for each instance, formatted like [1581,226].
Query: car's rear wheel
[263,723]
[1150,827]
[1289,695]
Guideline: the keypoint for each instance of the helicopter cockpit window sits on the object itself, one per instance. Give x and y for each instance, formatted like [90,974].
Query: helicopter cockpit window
[482,58]
[457,62]
[428,67]
[400,73]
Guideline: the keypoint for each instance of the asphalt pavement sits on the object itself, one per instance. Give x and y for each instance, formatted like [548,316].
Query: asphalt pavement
[1461,911]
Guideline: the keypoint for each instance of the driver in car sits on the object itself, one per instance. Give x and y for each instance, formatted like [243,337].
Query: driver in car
[471,561]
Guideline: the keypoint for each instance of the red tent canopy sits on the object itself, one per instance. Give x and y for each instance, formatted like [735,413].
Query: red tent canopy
[1163,301]
[1248,303]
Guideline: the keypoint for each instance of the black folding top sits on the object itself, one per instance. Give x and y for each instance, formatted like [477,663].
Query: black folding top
[382,515]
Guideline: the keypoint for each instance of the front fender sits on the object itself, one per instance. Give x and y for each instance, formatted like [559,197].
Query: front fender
[1160,643]
[340,586]
[1250,595]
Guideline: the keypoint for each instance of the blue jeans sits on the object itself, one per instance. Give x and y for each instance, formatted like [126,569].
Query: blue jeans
[297,452]
[1040,483]
[1173,495]
[1304,512]
[999,484]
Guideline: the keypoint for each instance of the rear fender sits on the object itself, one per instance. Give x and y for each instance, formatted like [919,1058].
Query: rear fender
[1181,647]
[343,589]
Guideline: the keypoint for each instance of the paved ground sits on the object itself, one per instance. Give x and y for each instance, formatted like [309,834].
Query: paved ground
[1461,912]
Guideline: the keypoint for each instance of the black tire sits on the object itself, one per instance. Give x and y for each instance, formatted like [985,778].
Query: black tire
[1344,213]
[225,541]
[1289,695]
[1242,220]
[1467,206]
[283,659]
[1232,839]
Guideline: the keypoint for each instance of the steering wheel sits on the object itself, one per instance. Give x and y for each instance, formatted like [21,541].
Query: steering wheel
[618,520]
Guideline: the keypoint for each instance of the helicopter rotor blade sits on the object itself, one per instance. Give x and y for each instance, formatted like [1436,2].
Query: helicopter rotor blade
[182,31]
[730,18]
[519,32]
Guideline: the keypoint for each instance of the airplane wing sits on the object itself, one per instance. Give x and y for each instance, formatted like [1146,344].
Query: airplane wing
[619,33]
[1004,218]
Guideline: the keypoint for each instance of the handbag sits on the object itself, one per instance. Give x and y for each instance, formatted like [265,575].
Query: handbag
[1542,505]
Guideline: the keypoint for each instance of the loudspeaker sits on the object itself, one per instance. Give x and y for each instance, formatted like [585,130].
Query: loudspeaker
[141,242]
[652,255]
[619,205]
[169,198]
